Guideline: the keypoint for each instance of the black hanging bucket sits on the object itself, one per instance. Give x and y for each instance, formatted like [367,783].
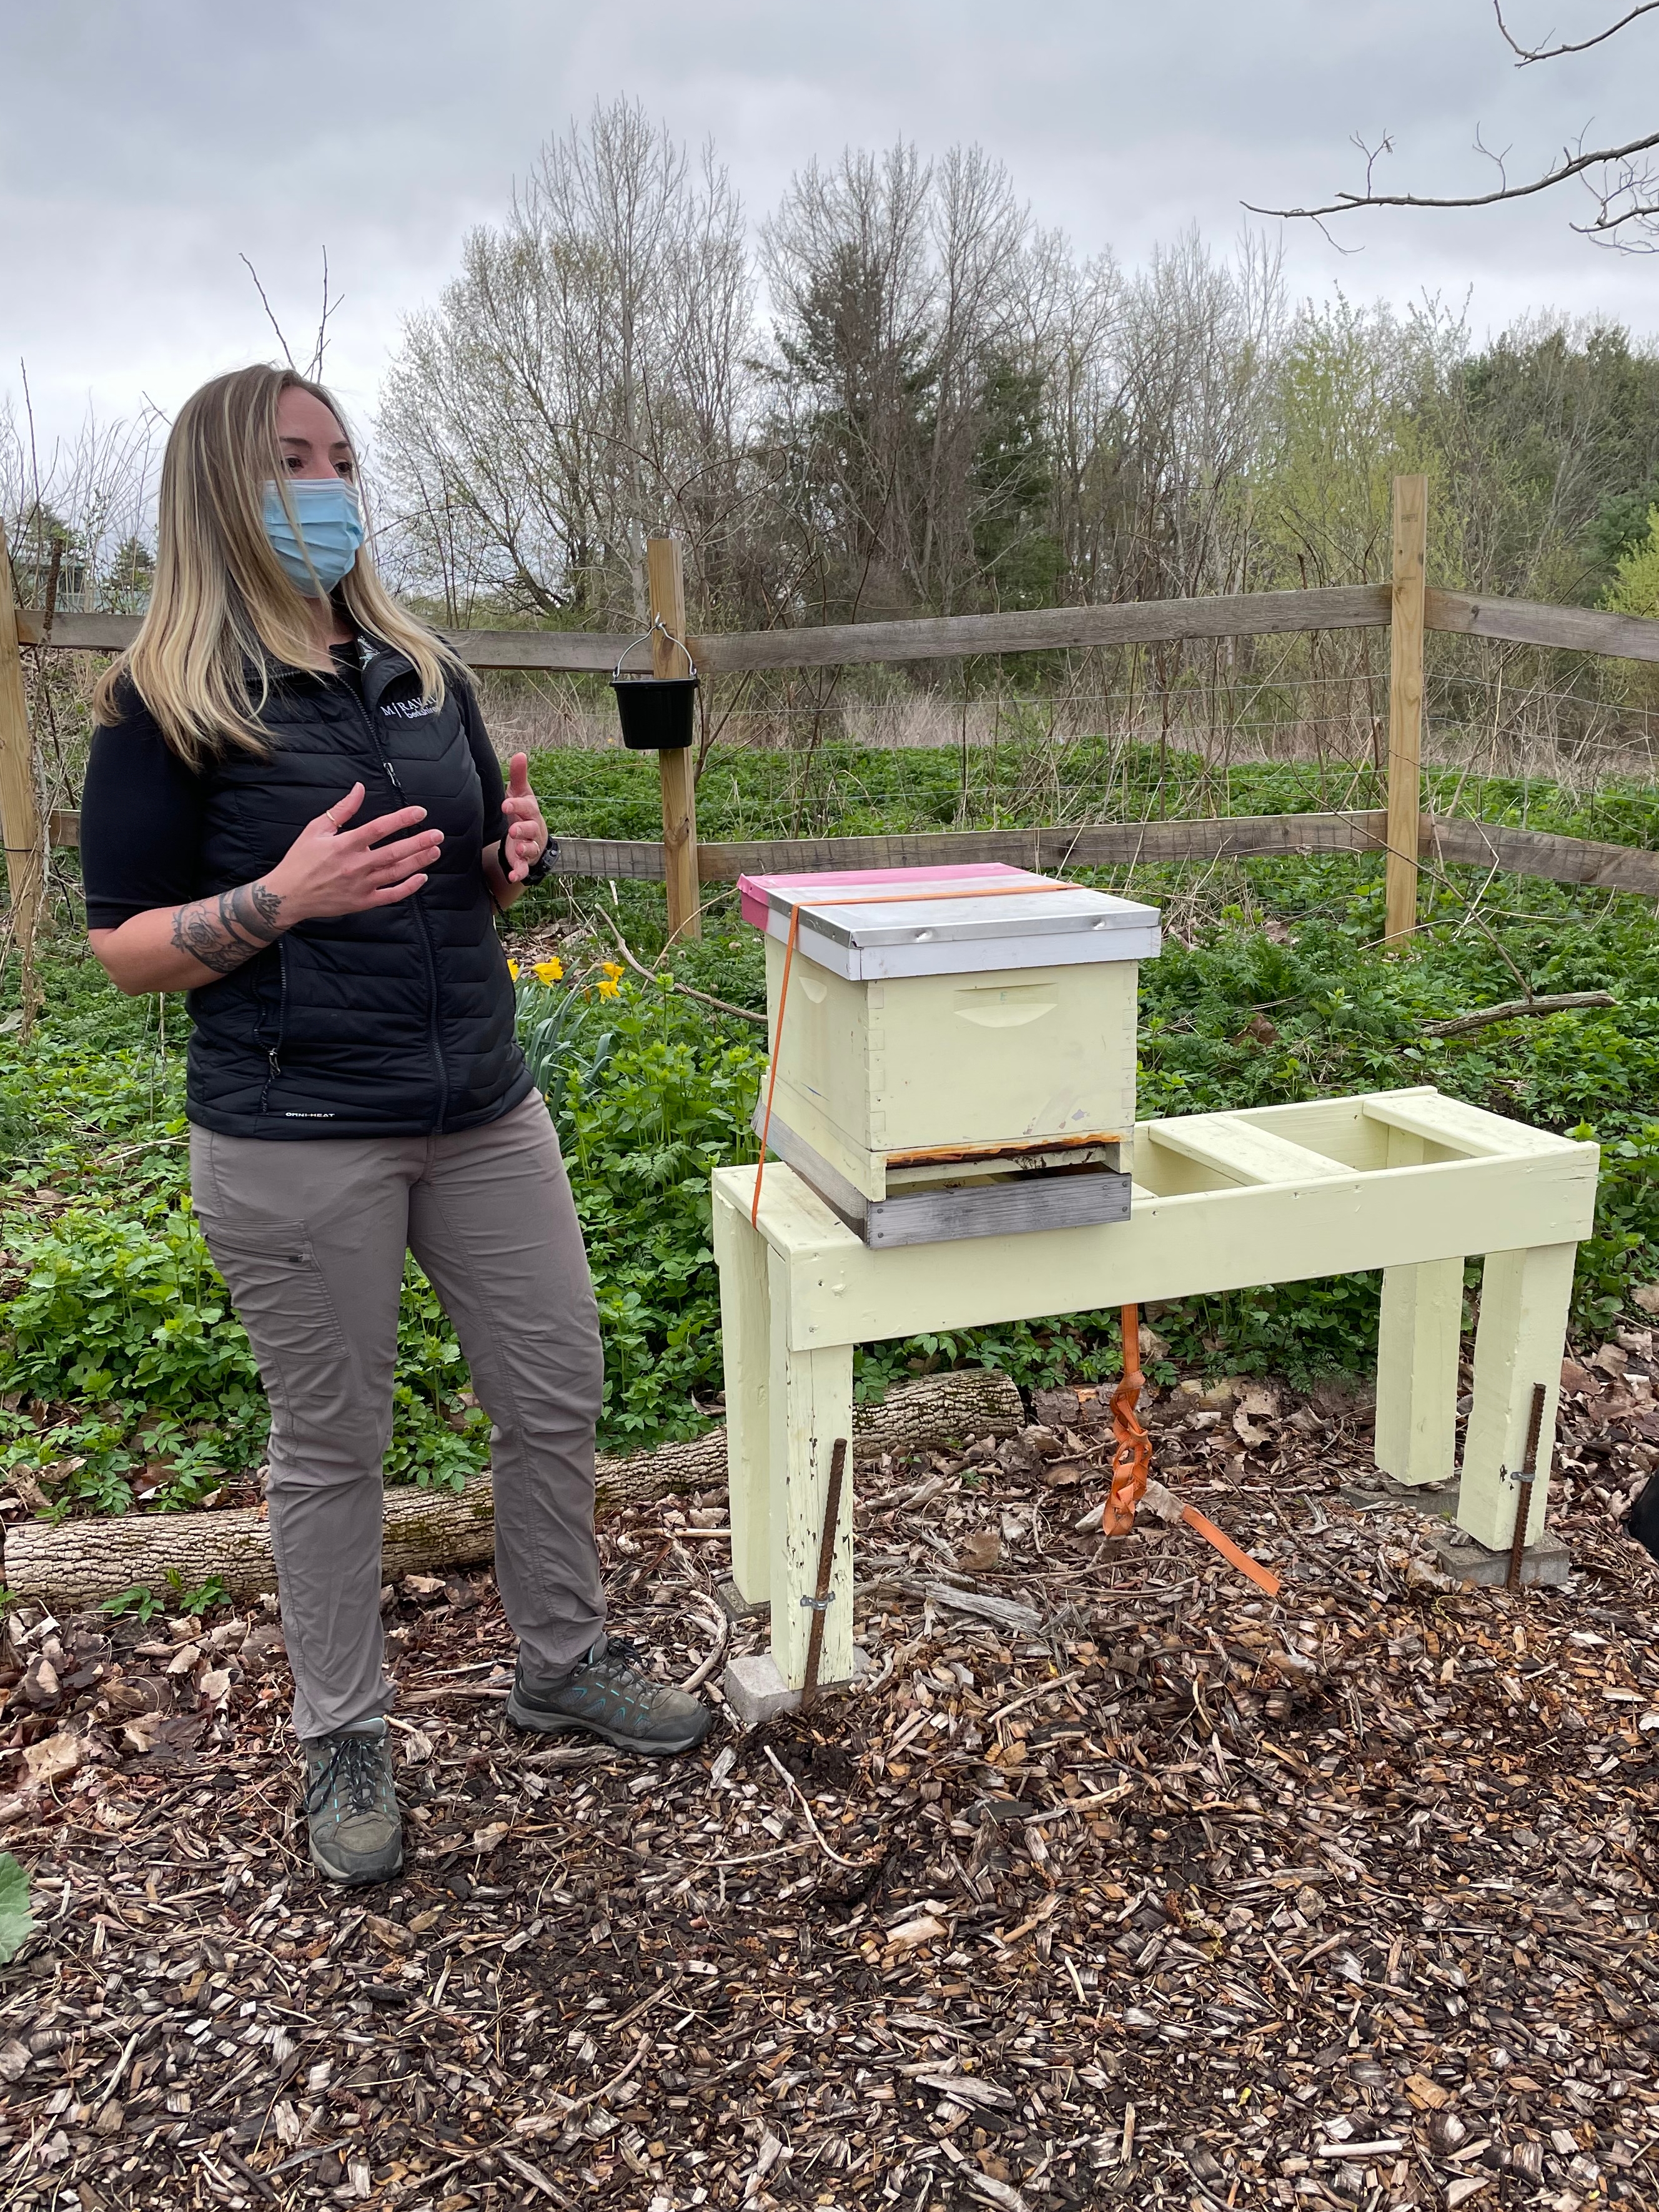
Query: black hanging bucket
[659,713]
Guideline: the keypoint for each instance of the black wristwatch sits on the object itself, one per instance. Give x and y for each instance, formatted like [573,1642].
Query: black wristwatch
[539,869]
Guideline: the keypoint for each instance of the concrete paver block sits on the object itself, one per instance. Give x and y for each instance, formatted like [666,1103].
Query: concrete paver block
[1461,1556]
[757,1692]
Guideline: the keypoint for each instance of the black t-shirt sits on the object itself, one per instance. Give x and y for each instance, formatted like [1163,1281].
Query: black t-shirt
[142,809]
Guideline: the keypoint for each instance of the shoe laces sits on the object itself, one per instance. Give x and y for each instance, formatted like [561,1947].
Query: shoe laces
[624,1651]
[355,1777]
[623,1672]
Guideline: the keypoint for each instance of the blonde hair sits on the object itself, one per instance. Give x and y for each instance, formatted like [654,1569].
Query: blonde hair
[223,613]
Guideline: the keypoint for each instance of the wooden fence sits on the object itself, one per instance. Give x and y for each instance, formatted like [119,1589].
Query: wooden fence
[1407,607]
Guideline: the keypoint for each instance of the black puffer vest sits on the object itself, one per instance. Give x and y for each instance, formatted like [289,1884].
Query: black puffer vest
[394,1023]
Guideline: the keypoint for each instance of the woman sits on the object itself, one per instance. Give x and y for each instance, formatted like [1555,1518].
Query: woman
[292,811]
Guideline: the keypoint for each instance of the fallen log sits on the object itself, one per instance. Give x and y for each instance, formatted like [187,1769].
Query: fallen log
[80,1563]
[1513,1010]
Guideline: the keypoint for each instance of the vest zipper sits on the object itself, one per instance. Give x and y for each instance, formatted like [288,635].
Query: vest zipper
[274,1065]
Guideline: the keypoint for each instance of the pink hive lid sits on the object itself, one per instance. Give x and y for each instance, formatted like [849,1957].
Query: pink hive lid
[754,890]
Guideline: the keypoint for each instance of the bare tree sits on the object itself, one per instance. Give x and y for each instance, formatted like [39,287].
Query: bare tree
[78,516]
[1200,346]
[579,384]
[1622,182]
[846,261]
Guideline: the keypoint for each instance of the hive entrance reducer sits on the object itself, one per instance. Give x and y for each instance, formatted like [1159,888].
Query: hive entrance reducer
[957,1050]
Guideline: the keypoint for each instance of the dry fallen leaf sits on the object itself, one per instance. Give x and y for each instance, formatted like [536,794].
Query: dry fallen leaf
[53,1758]
[1064,1474]
[979,1550]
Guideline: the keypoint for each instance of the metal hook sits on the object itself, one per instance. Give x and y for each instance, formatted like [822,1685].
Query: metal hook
[657,623]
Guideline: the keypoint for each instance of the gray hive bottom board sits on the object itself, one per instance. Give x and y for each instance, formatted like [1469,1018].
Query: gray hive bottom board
[943,1214]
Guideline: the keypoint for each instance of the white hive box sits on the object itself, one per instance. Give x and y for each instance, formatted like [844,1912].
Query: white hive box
[956,1065]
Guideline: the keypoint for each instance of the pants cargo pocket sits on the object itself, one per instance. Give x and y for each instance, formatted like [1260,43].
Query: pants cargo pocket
[282,1300]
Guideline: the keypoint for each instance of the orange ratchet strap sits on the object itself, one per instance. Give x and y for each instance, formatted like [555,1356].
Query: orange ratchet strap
[1132,1462]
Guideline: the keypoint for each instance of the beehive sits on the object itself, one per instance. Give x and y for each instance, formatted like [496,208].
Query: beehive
[957,1051]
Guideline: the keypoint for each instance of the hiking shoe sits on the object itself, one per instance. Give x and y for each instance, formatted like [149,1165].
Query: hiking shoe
[606,1695]
[351,1807]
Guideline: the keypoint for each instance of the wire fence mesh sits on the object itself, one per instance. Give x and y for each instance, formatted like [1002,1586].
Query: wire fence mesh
[1135,734]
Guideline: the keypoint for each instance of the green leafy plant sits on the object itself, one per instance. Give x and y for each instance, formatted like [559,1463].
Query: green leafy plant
[202,1599]
[16,1921]
[138,1600]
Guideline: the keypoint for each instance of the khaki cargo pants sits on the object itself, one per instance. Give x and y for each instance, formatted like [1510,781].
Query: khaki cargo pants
[310,1236]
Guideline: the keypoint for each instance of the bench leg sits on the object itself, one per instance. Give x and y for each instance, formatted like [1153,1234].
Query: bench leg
[810,1406]
[1518,1344]
[1417,1370]
[746,1328]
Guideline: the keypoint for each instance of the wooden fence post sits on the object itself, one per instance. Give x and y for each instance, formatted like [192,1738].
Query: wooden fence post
[666,580]
[1410,546]
[20,817]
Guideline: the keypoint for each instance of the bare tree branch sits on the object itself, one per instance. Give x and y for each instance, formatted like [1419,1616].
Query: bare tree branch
[270,314]
[1571,165]
[314,370]
[1528,54]
[1626,195]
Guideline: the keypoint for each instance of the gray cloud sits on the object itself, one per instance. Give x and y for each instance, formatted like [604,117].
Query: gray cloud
[149,141]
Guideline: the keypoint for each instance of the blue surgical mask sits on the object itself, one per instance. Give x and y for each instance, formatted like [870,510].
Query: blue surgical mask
[330,531]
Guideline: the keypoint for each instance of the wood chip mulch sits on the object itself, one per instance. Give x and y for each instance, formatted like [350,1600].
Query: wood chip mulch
[1119,1883]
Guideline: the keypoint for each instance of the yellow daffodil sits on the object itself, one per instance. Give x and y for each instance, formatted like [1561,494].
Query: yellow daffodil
[513,969]
[549,971]
[608,987]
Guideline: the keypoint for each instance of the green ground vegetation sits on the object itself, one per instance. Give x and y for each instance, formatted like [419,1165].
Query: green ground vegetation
[125,1380]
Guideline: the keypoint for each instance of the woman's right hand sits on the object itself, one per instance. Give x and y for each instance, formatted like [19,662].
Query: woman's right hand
[329,869]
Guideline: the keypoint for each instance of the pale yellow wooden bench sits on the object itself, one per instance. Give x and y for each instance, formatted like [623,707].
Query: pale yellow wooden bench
[1406,1181]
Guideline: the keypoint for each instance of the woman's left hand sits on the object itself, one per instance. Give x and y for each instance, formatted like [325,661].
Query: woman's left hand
[524,834]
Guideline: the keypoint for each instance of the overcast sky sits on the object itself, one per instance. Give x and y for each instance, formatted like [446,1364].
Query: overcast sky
[145,143]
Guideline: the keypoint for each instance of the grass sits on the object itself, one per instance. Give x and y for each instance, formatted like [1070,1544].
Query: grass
[125,1379]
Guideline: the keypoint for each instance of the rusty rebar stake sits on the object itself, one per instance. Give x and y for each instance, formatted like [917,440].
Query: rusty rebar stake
[820,1599]
[1524,1489]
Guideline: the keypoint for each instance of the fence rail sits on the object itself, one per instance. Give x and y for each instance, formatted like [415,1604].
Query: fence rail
[1451,840]
[1047,629]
